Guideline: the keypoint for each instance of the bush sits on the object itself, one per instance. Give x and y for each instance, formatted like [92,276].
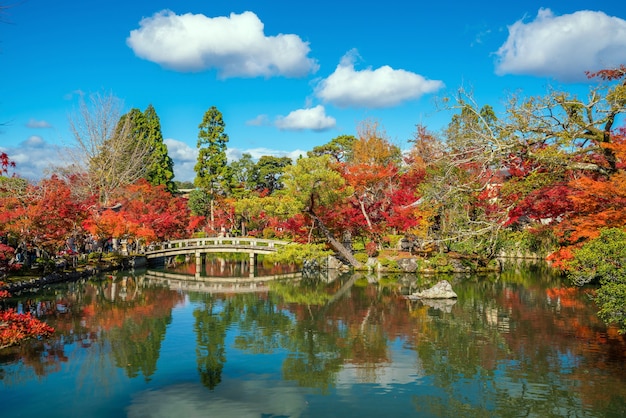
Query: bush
[393,240]
[297,253]
[603,260]
[540,241]
[361,257]
[371,249]
[389,264]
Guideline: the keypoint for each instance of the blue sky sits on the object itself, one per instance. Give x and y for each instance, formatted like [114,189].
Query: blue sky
[287,76]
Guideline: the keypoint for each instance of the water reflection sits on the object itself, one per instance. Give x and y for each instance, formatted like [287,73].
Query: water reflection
[520,343]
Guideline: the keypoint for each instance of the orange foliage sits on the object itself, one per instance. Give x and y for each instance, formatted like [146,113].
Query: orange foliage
[372,146]
[597,204]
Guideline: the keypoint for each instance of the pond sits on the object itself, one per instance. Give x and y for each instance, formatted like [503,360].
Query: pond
[519,343]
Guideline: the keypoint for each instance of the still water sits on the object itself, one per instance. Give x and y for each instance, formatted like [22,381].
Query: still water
[521,343]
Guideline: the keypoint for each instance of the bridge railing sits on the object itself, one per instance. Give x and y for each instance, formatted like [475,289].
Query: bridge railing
[217,242]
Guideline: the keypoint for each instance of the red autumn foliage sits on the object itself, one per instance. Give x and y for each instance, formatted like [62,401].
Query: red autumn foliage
[143,212]
[5,163]
[16,327]
[43,215]
[547,204]
[608,74]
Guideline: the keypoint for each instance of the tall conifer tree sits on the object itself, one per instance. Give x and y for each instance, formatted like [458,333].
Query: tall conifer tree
[161,168]
[212,171]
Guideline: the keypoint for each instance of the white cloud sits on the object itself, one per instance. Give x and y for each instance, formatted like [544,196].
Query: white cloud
[314,118]
[256,153]
[34,157]
[180,151]
[185,157]
[563,47]
[38,124]
[382,87]
[260,120]
[235,45]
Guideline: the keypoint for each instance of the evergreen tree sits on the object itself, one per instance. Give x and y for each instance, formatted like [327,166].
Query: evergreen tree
[161,168]
[268,172]
[212,170]
[242,175]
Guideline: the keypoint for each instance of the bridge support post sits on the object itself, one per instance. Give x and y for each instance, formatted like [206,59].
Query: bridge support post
[198,257]
[252,264]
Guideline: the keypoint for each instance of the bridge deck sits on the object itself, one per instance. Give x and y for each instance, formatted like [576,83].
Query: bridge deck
[215,244]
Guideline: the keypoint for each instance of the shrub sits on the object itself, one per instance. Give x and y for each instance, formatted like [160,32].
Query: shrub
[393,240]
[603,260]
[371,248]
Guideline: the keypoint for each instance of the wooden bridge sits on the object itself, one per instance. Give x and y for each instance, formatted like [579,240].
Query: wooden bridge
[158,254]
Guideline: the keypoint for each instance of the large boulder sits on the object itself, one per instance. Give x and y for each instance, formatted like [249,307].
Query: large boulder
[442,290]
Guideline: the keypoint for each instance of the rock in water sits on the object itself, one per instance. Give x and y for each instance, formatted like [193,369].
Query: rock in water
[442,290]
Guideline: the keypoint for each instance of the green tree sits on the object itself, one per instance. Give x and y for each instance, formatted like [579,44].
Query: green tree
[340,148]
[603,260]
[212,170]
[199,202]
[268,172]
[242,171]
[312,184]
[161,167]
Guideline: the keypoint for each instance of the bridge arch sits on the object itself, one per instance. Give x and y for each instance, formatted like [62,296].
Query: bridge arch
[158,253]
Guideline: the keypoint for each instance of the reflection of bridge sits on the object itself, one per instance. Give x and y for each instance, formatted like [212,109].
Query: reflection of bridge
[196,283]
[159,253]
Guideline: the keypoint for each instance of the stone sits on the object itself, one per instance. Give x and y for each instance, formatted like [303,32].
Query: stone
[442,290]
[333,263]
[408,265]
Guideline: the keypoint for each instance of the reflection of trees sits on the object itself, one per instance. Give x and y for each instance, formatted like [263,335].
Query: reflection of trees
[327,331]
[517,343]
[307,292]
[510,347]
[119,317]
[133,318]
[260,322]
[348,328]
[212,321]
[138,343]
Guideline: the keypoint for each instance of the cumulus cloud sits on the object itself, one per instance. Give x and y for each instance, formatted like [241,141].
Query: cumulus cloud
[184,157]
[35,157]
[38,124]
[256,153]
[563,47]
[236,45]
[314,118]
[382,87]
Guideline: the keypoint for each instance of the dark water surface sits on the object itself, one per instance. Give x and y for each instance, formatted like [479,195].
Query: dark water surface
[519,344]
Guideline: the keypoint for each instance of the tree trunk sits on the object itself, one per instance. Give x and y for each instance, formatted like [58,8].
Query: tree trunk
[338,246]
[367,218]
